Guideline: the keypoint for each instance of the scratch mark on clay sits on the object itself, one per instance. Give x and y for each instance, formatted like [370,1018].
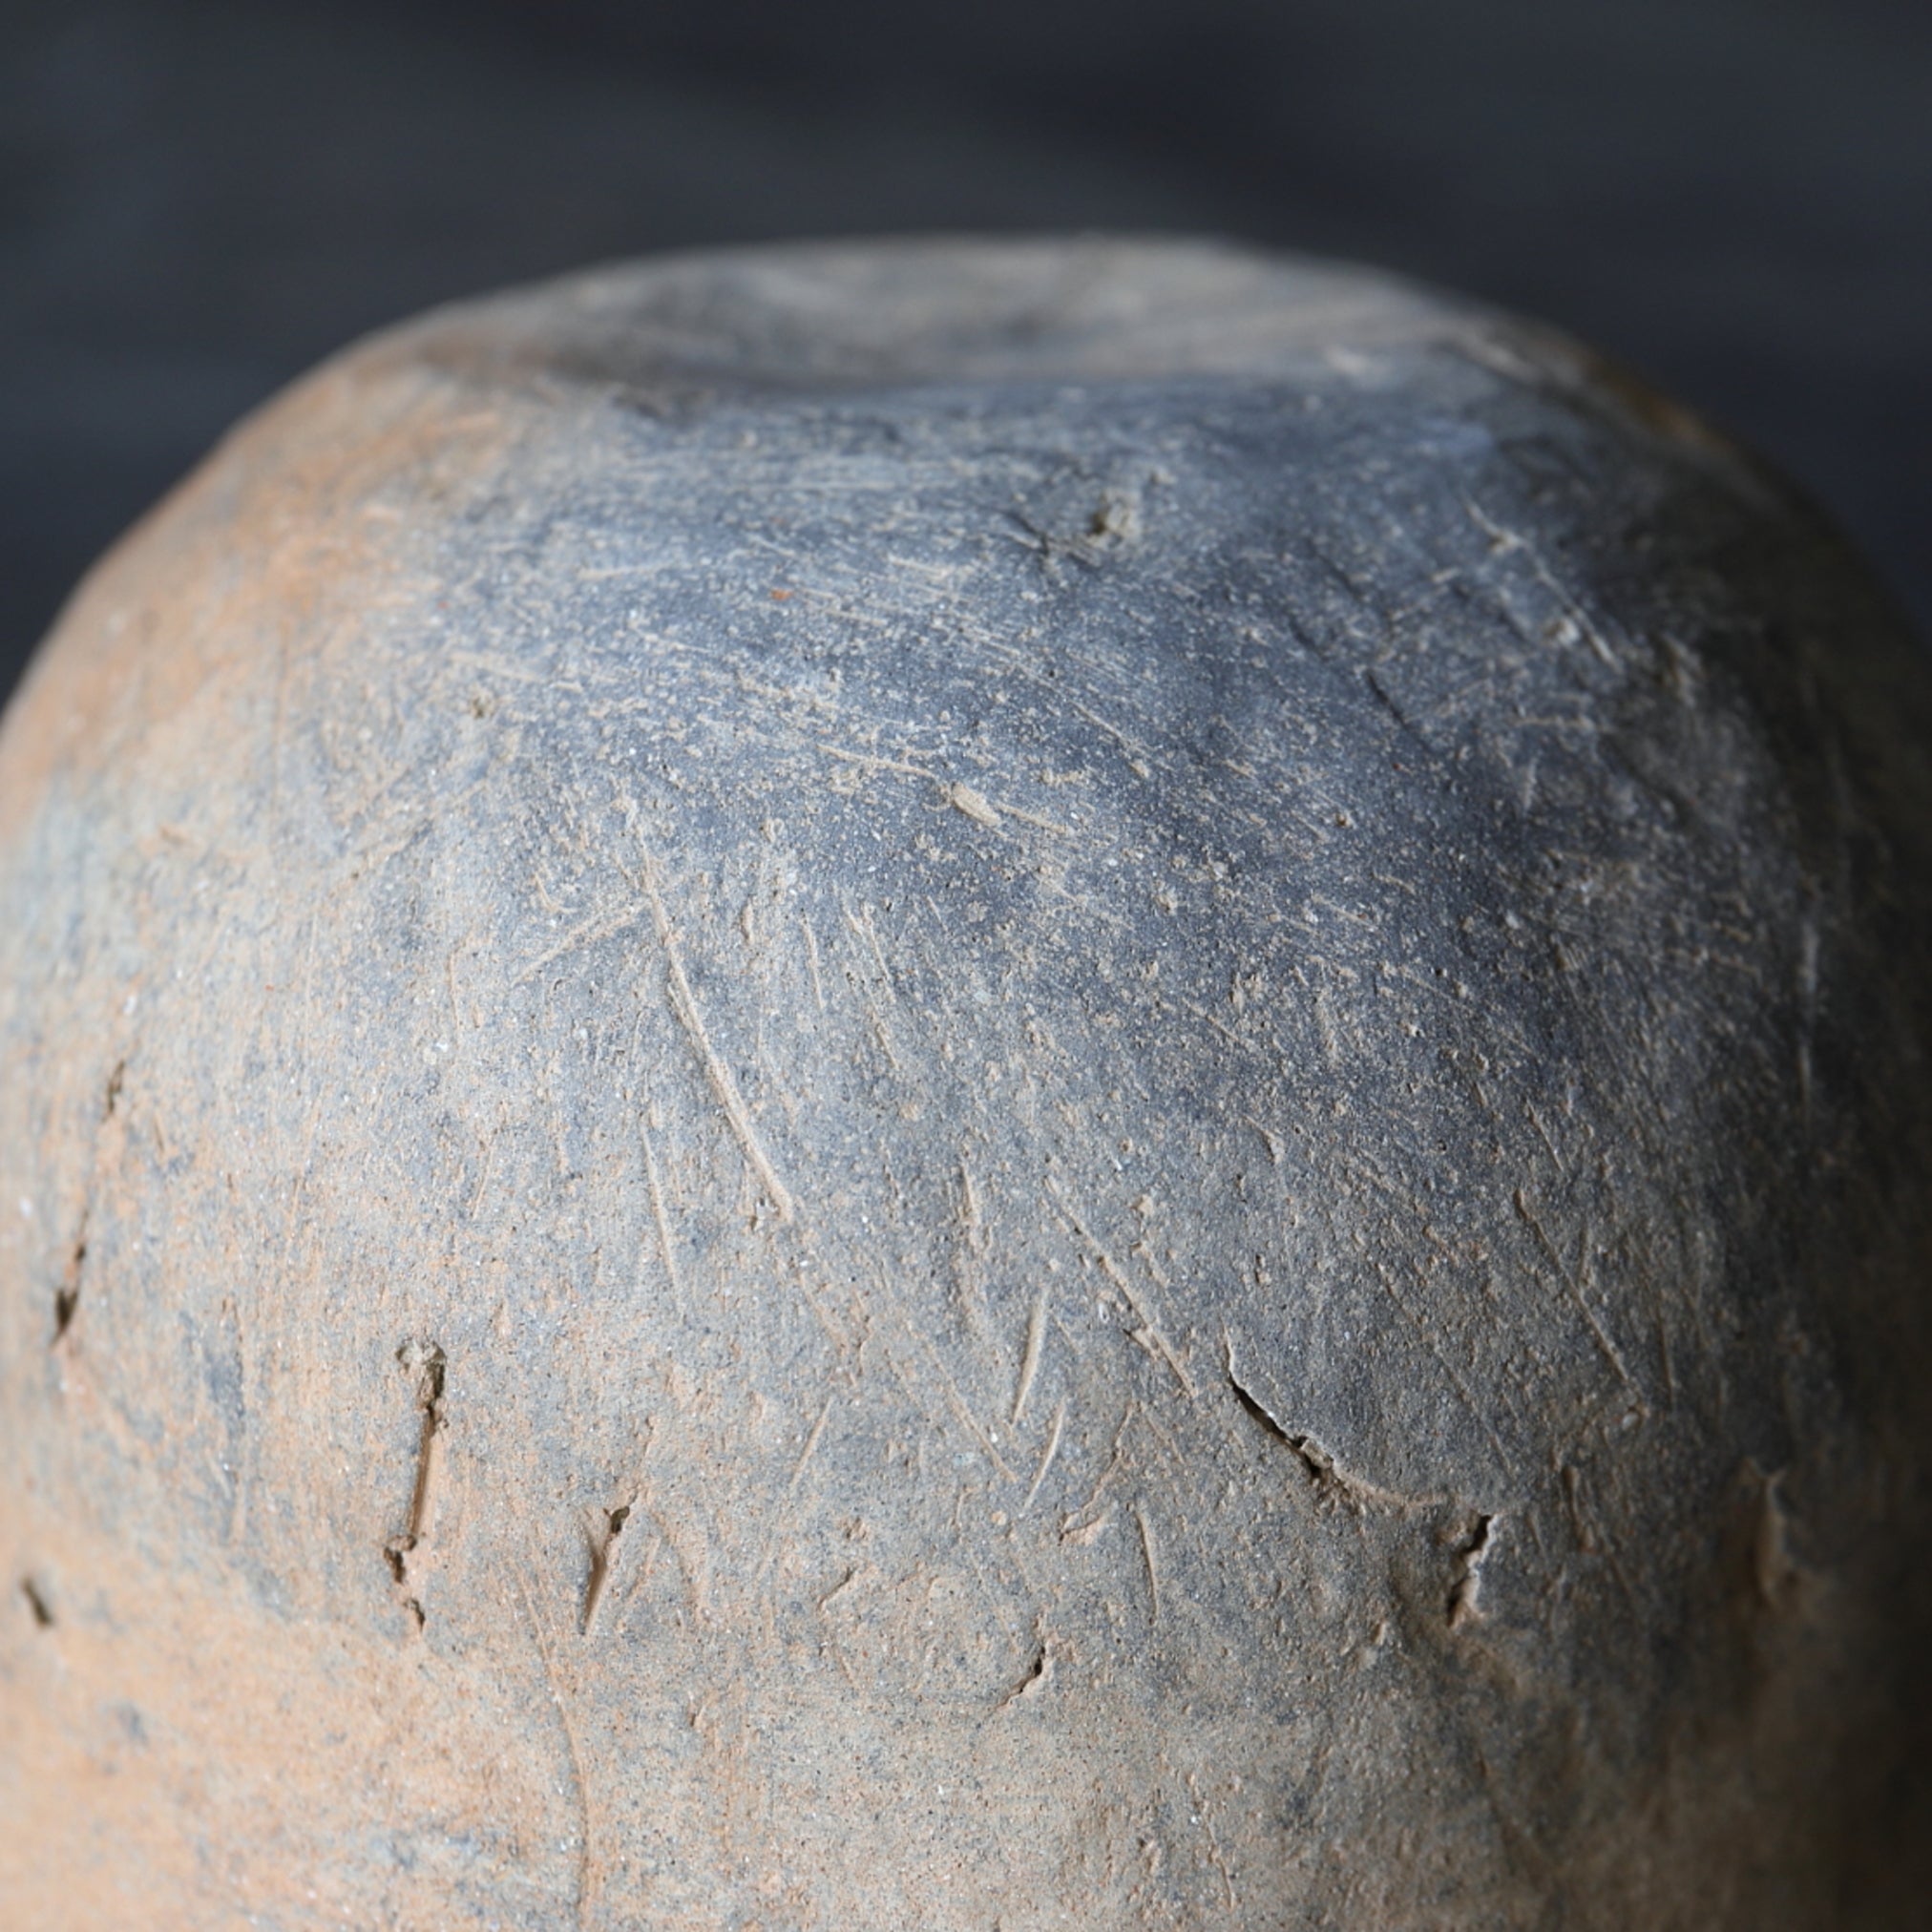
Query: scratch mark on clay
[959,1405]
[950,1390]
[1153,1567]
[1046,825]
[1046,1455]
[1808,1005]
[499,668]
[970,1215]
[873,764]
[963,798]
[839,1588]
[1326,1027]
[1581,1526]
[810,1448]
[861,923]
[1575,1288]
[723,1085]
[811,957]
[972,805]
[1156,1341]
[1583,1523]
[587,935]
[1029,1366]
[1463,1393]
[1536,1120]
[883,1035]
[1215,1853]
[586,1862]
[1072,1530]
[659,1219]
[603,1557]
[38,1605]
[991,812]
[1667,1368]
[1137,755]
[1505,542]
[1774,1569]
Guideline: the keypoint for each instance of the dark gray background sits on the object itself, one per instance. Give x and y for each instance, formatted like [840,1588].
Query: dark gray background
[199,199]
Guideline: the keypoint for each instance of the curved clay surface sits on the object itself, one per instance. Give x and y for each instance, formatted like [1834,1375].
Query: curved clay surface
[966,1085]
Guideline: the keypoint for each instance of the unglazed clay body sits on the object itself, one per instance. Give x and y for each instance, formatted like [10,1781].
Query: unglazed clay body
[960,1086]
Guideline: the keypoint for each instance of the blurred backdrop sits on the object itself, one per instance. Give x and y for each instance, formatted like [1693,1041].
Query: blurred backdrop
[199,198]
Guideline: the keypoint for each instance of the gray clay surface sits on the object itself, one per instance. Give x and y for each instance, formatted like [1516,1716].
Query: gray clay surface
[961,1086]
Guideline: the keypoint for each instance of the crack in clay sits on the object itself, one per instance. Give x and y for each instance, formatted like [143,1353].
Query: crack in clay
[1327,1475]
[1036,1678]
[67,1296]
[1466,1586]
[603,1558]
[1312,1457]
[430,1365]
